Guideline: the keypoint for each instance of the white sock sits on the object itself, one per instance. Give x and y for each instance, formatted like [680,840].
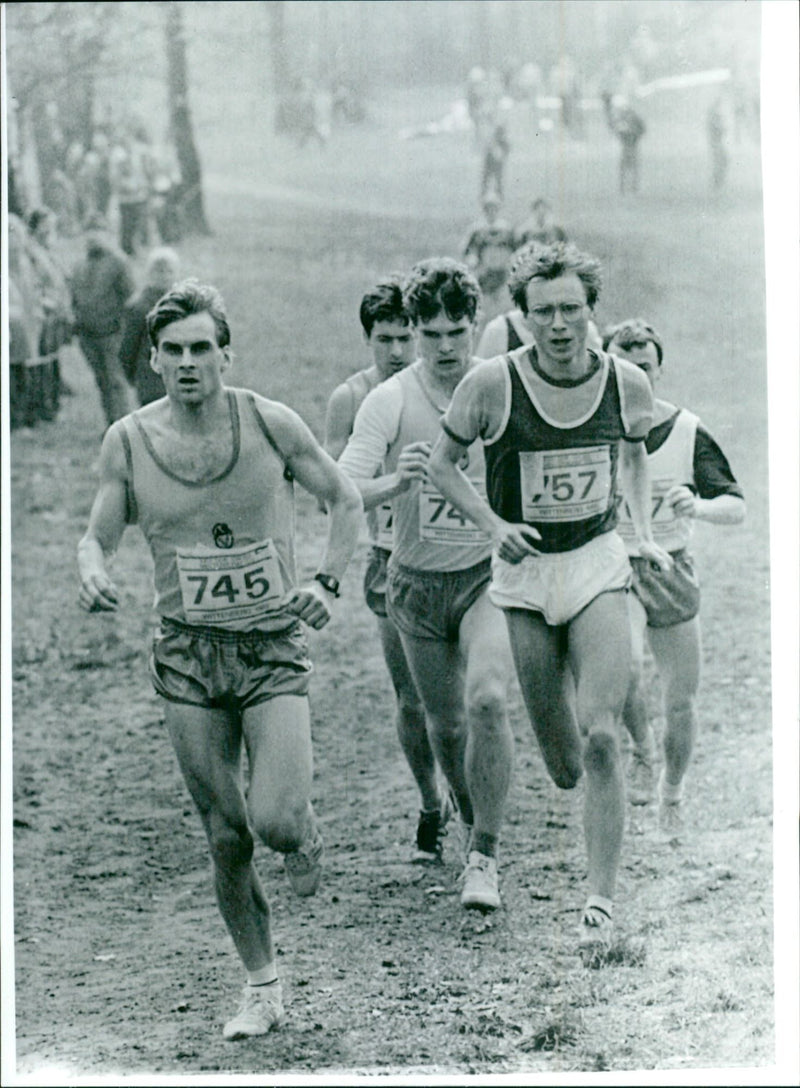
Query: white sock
[263,977]
[669,794]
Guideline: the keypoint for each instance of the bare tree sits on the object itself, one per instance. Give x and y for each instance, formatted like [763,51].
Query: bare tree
[191,195]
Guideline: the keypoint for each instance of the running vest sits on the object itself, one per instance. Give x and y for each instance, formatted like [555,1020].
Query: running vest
[672,463]
[379,518]
[554,463]
[224,549]
[514,340]
[429,533]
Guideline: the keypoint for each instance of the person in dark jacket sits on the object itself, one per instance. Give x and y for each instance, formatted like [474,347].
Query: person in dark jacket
[134,353]
[101,284]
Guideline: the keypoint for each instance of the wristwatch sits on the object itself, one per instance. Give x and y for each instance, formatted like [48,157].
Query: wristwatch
[327,581]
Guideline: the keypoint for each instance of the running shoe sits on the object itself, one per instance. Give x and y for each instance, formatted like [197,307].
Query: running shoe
[431,829]
[304,865]
[480,883]
[261,1010]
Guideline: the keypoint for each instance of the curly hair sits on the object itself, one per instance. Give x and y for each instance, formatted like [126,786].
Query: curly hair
[438,285]
[384,303]
[631,331]
[538,260]
[184,299]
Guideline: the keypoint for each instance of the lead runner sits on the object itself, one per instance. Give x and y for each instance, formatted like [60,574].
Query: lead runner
[208,473]
[560,422]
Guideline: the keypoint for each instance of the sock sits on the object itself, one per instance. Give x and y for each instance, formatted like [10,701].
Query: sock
[484,843]
[264,976]
[670,795]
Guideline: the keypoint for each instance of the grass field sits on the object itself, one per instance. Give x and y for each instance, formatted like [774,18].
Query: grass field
[122,962]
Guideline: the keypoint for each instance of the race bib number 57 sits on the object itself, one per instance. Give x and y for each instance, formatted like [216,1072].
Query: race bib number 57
[222,588]
[565,485]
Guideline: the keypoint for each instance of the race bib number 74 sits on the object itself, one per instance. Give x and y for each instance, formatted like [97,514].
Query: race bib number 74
[565,485]
[222,588]
[440,521]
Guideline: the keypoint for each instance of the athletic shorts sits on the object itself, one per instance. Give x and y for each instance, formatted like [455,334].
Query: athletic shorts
[432,603]
[668,597]
[561,584]
[209,667]
[375,580]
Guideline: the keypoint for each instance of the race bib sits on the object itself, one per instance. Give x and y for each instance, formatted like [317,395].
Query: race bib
[565,485]
[223,587]
[440,521]
[384,517]
[662,515]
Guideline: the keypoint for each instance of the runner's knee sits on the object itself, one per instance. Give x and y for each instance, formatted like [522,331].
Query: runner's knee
[283,830]
[485,706]
[231,844]
[601,754]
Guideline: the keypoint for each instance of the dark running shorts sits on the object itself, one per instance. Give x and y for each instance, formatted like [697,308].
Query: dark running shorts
[375,580]
[432,603]
[209,667]
[668,598]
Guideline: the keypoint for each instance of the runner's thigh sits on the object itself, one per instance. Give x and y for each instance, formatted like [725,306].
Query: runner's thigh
[438,674]
[600,655]
[208,745]
[486,648]
[676,651]
[277,733]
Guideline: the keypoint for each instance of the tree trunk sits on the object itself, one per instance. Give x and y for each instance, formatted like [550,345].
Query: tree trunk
[191,195]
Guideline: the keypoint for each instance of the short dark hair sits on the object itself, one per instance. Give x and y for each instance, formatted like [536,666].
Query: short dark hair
[631,331]
[384,303]
[538,260]
[438,285]
[184,299]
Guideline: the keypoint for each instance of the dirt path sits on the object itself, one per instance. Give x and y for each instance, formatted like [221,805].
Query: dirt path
[122,961]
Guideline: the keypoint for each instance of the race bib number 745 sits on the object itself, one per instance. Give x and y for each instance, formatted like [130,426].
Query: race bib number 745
[565,485]
[221,588]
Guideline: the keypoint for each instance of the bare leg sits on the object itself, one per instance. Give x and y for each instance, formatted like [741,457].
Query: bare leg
[599,650]
[278,738]
[677,654]
[208,746]
[411,730]
[490,743]
[438,674]
[540,659]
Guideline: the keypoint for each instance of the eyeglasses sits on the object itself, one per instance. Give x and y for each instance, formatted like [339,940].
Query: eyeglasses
[570,311]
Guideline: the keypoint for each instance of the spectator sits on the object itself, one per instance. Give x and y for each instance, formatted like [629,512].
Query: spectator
[628,127]
[135,350]
[101,285]
[53,301]
[718,137]
[494,162]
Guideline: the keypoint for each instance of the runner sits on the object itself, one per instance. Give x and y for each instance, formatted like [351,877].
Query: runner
[487,251]
[691,479]
[559,423]
[389,336]
[208,472]
[438,573]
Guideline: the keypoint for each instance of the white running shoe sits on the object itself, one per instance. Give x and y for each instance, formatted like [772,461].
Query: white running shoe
[480,883]
[304,865]
[261,1010]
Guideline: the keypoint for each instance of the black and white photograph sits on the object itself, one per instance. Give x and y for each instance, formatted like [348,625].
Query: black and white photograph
[399,542]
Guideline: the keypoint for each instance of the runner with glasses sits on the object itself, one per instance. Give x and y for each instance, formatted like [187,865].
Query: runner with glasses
[691,480]
[561,423]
